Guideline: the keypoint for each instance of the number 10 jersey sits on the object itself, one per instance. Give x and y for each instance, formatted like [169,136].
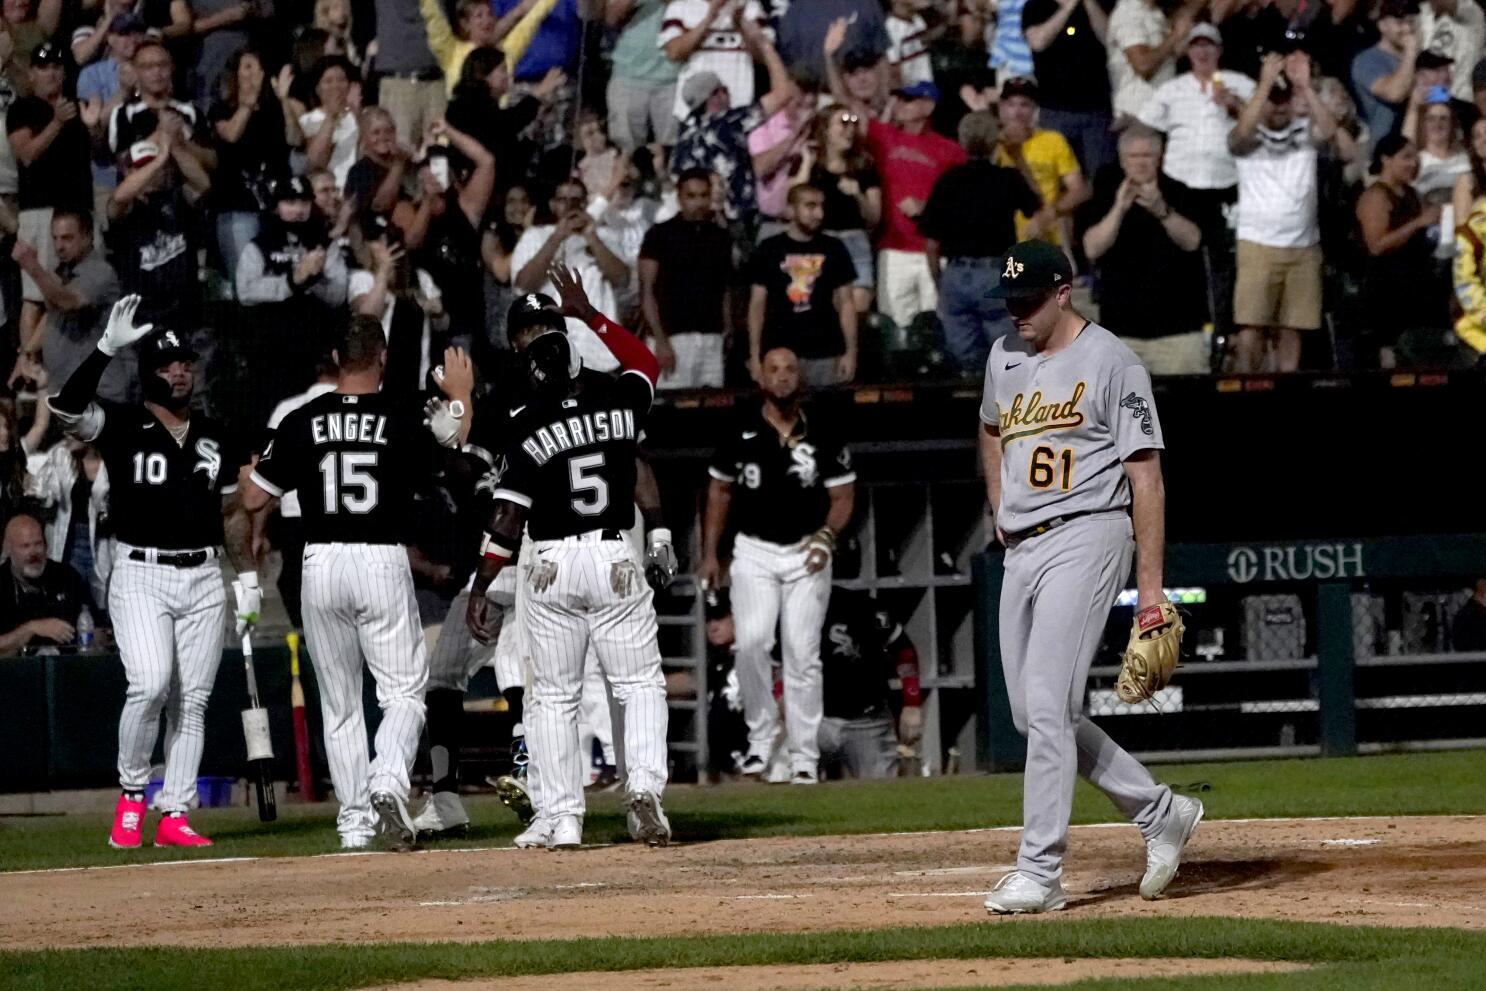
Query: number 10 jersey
[357,462]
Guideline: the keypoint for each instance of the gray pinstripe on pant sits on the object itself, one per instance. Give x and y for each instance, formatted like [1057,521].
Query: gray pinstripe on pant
[169,623]
[358,602]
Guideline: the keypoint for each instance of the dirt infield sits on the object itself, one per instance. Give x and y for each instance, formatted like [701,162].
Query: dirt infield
[1390,871]
[984,973]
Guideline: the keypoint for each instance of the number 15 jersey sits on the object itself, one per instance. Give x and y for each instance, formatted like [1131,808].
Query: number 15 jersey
[571,462]
[356,462]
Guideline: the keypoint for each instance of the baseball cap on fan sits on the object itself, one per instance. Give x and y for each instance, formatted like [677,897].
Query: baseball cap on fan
[1032,269]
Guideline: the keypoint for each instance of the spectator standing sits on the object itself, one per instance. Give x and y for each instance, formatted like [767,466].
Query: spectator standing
[333,18]
[52,149]
[1010,54]
[1144,245]
[79,294]
[704,36]
[1277,289]
[802,31]
[862,650]
[1443,160]
[544,46]
[497,248]
[1047,159]
[1070,63]
[408,303]
[106,84]
[777,148]
[961,65]
[783,482]
[40,600]
[412,88]
[330,130]
[254,132]
[642,86]
[1470,279]
[71,485]
[476,109]
[222,28]
[154,107]
[1383,75]
[1396,233]
[1141,44]
[714,133]
[801,296]
[154,228]
[577,242]
[908,48]
[30,26]
[475,26]
[451,250]
[598,159]
[1455,29]
[16,450]
[685,269]
[374,184]
[969,222]
[842,169]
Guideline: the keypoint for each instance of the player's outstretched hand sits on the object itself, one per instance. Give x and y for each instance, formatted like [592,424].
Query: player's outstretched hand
[483,619]
[249,600]
[443,421]
[572,297]
[121,331]
[660,560]
[456,376]
[910,725]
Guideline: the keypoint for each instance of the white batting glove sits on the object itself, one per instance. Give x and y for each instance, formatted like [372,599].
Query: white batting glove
[443,421]
[249,600]
[121,331]
[660,560]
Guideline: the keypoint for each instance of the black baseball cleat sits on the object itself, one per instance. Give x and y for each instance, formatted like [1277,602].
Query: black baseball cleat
[395,830]
[607,780]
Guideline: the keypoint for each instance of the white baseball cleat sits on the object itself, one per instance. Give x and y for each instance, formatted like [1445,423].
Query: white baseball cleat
[444,814]
[647,820]
[535,836]
[355,841]
[567,833]
[754,766]
[394,824]
[1021,894]
[1163,853]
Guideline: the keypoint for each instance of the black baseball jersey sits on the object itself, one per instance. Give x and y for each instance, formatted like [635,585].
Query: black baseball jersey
[571,462]
[779,484]
[356,462]
[161,493]
[858,656]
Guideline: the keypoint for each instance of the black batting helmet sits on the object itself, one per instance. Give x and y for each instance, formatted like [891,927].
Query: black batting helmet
[534,309]
[155,352]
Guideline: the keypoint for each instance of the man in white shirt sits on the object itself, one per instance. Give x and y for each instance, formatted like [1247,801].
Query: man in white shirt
[1141,45]
[1455,29]
[908,44]
[1277,294]
[703,36]
[577,241]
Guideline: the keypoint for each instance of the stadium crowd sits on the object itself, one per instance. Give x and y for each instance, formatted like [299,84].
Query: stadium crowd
[1266,185]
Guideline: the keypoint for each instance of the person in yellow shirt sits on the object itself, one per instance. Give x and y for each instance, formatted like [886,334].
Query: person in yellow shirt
[1047,160]
[1470,283]
[476,26]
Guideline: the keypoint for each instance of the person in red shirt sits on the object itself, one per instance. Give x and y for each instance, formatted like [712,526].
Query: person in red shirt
[910,158]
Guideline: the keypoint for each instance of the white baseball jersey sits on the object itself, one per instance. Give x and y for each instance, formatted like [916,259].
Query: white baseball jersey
[722,50]
[908,50]
[1068,422]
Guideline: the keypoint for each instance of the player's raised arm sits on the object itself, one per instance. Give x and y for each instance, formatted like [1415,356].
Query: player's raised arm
[631,352]
[74,406]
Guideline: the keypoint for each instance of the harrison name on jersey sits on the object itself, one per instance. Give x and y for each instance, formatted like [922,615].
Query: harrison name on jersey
[578,431]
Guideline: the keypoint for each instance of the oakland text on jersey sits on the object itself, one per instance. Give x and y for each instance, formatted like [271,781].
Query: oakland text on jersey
[1037,415]
[578,431]
[363,428]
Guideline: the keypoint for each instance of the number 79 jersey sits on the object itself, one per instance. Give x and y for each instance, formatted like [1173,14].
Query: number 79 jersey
[357,462]
[1068,422]
[571,461]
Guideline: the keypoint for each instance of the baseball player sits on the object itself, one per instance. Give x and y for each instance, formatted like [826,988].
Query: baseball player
[355,456]
[787,481]
[173,473]
[457,655]
[1070,443]
[569,478]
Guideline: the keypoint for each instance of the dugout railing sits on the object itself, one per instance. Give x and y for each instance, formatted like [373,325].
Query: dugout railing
[1292,648]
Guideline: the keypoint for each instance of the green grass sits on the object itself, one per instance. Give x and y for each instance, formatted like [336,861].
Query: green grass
[1407,784]
[1354,959]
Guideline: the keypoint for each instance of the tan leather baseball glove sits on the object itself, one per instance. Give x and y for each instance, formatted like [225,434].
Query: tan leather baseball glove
[1150,659]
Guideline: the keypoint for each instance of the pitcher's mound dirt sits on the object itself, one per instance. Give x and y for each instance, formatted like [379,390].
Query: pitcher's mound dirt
[984,973]
[1420,871]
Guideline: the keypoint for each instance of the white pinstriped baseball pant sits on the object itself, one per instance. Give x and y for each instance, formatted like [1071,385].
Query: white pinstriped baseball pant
[358,602]
[169,623]
[582,590]
[457,656]
[771,587]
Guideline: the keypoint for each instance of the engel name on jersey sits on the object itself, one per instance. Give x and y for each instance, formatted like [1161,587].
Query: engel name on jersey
[1068,421]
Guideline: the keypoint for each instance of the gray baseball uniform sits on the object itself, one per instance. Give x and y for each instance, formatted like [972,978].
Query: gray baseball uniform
[1067,423]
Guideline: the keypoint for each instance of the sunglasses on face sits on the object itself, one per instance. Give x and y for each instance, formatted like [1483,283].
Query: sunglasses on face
[849,119]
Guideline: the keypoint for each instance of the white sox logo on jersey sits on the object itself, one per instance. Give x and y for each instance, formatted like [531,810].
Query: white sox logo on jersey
[840,636]
[803,466]
[210,460]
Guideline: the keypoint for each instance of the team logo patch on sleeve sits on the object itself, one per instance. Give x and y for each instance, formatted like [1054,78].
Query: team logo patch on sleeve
[1140,409]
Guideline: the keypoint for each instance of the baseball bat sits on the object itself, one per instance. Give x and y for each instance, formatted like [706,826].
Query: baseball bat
[301,725]
[260,744]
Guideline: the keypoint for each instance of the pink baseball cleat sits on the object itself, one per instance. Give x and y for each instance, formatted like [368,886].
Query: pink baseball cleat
[128,818]
[176,831]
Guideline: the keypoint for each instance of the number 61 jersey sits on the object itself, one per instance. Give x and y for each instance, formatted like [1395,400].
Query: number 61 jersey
[356,462]
[571,461]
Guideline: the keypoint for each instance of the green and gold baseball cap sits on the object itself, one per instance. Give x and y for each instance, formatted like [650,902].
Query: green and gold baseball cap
[1033,268]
